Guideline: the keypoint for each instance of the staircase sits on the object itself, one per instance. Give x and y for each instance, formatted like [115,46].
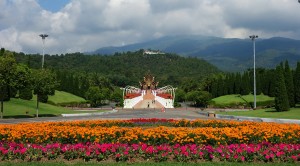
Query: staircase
[148,101]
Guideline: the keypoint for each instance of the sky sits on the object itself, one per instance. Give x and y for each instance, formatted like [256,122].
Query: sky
[86,25]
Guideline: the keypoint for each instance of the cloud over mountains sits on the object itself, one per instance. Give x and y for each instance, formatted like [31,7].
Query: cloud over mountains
[87,25]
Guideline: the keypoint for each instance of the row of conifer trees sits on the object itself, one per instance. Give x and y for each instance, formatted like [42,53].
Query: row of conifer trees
[283,83]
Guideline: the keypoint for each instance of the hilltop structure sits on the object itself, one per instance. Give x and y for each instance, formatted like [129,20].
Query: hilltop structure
[152,52]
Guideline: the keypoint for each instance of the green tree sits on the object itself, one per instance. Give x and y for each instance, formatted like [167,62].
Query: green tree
[44,84]
[7,75]
[179,95]
[289,84]
[24,81]
[94,95]
[200,98]
[297,83]
[245,87]
[281,97]
[117,96]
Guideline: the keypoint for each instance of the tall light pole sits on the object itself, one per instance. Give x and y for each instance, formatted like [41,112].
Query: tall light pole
[43,38]
[253,37]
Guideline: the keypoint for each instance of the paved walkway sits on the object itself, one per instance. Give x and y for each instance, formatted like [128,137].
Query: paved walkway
[121,114]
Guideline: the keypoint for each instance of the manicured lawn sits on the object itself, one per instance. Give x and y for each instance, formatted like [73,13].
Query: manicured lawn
[64,97]
[294,113]
[236,100]
[17,108]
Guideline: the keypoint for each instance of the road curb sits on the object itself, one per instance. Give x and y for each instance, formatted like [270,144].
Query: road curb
[89,114]
[256,119]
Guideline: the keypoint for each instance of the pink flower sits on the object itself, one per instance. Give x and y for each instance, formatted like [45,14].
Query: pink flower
[243,158]
[278,154]
[267,157]
[103,149]
[4,151]
[23,150]
[186,154]
[176,152]
[88,153]
[201,154]
[294,158]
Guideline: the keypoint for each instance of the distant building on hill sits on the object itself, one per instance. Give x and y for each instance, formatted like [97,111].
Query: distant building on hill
[153,52]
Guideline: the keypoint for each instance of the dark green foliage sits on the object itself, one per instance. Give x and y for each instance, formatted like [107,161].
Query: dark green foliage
[237,83]
[116,95]
[281,97]
[4,93]
[44,84]
[297,83]
[95,96]
[43,98]
[200,98]
[289,83]
[128,68]
[2,51]
[179,95]
[25,93]
[7,76]
[245,88]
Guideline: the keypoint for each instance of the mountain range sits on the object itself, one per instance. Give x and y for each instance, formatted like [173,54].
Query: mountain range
[228,54]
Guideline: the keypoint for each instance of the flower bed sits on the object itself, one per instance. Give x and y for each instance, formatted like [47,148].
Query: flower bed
[265,152]
[151,139]
[209,132]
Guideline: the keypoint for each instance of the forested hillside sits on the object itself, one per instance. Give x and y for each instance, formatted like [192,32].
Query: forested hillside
[127,68]
[228,54]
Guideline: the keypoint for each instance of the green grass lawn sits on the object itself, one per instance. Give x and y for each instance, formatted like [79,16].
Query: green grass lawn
[236,100]
[65,97]
[18,108]
[293,113]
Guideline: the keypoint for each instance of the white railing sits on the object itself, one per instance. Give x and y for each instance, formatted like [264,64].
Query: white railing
[167,103]
[129,103]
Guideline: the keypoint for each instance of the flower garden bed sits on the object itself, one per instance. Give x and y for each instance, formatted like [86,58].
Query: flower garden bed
[161,140]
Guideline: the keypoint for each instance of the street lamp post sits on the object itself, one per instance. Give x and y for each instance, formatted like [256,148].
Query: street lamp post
[253,37]
[43,38]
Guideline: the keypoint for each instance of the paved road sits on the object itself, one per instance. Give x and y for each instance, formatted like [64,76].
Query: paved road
[121,114]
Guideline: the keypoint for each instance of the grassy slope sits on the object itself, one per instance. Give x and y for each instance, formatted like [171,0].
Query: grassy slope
[18,107]
[234,98]
[229,99]
[294,113]
[64,97]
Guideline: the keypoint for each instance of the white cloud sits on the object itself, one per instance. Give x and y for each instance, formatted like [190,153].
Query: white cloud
[88,25]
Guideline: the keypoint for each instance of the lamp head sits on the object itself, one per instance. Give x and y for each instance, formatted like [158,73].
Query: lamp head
[43,35]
